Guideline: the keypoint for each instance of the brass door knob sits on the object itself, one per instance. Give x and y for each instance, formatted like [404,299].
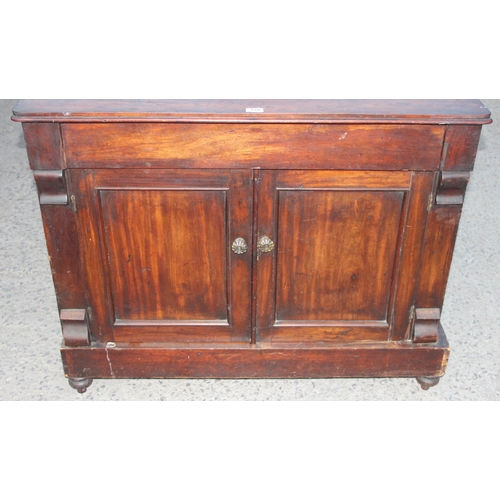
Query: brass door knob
[265,244]
[239,246]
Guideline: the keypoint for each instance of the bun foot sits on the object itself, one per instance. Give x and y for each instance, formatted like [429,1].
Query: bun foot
[426,382]
[80,384]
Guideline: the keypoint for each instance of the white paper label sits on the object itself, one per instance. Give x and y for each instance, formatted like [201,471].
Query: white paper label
[255,110]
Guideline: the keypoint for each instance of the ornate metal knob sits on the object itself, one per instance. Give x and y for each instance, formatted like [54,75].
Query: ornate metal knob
[265,244]
[239,246]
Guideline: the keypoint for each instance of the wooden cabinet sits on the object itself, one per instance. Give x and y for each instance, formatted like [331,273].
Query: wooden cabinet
[196,239]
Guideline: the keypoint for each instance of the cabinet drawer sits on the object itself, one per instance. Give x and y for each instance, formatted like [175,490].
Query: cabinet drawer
[282,146]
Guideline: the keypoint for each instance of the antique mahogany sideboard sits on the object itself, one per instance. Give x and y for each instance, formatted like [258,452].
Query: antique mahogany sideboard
[251,238]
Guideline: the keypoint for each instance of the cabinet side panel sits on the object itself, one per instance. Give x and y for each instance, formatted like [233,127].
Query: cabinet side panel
[461,142]
[439,243]
[58,216]
[43,145]
[64,256]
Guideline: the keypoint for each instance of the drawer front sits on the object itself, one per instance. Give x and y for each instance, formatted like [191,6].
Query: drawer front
[276,146]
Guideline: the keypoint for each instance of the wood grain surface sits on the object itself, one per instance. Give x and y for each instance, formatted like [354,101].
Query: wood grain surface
[157,253]
[304,146]
[379,359]
[278,110]
[141,201]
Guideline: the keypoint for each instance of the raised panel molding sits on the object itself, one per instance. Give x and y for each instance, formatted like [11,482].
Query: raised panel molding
[460,147]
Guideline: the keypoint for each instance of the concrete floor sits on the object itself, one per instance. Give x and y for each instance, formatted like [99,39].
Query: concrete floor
[30,335]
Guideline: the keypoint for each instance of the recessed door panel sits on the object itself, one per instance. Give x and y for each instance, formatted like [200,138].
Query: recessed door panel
[167,253]
[336,254]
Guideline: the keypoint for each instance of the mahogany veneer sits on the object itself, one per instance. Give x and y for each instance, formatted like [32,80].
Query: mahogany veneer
[251,238]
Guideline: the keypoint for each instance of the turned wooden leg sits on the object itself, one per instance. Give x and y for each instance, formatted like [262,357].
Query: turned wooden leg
[80,384]
[426,382]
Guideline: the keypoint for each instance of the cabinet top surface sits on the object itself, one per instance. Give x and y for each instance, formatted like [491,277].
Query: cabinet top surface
[439,111]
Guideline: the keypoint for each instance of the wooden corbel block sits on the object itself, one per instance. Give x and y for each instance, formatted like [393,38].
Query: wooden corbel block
[51,186]
[75,328]
[451,188]
[426,325]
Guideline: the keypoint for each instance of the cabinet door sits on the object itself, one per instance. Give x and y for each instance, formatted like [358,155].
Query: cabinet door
[346,253]
[156,247]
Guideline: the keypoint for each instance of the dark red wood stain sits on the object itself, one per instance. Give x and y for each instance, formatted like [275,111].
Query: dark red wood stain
[289,146]
[142,200]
